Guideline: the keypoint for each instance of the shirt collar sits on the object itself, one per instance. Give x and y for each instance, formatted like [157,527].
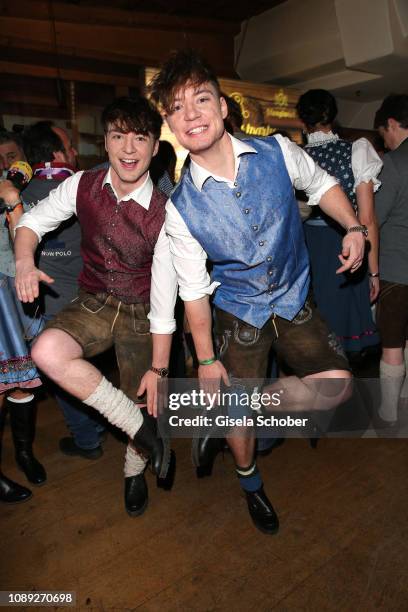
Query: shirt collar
[142,195]
[316,138]
[200,174]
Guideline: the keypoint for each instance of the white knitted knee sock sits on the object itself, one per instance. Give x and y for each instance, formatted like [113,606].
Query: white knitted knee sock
[116,407]
[404,390]
[391,378]
[134,462]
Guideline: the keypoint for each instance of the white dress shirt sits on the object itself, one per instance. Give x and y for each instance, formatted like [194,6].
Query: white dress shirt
[60,205]
[189,257]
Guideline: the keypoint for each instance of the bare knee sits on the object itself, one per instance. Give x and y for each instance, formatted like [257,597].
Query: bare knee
[332,387]
[53,349]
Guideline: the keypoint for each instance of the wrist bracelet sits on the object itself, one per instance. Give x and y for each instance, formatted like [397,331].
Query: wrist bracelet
[207,361]
[373,274]
[11,207]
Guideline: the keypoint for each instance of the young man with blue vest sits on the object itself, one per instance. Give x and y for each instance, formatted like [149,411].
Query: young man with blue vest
[121,215]
[235,206]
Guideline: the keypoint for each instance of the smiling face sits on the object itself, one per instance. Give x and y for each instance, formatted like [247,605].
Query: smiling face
[197,117]
[130,155]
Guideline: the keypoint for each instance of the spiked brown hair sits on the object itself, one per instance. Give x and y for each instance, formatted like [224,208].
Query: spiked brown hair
[182,67]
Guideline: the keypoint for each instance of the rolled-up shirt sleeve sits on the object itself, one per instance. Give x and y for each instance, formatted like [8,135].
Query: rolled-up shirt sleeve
[366,163]
[49,213]
[303,171]
[189,258]
[163,292]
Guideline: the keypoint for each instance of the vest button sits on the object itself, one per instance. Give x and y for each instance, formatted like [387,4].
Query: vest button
[246,211]
[255,228]
[238,194]
[270,272]
[261,242]
[269,258]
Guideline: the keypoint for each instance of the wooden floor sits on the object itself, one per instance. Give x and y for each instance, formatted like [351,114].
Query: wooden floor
[343,542]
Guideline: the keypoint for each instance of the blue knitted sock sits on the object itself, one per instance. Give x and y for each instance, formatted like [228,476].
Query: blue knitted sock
[249,477]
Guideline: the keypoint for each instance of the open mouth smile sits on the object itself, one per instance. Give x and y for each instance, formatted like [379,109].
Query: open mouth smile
[197,130]
[129,164]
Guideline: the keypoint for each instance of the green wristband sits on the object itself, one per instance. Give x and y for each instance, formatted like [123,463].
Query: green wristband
[207,361]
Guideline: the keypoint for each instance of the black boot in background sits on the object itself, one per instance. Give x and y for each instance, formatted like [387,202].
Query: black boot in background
[22,420]
[10,491]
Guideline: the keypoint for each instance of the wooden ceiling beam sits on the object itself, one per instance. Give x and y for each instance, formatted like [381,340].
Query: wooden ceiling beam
[29,98]
[68,75]
[91,15]
[23,109]
[37,57]
[17,44]
[145,46]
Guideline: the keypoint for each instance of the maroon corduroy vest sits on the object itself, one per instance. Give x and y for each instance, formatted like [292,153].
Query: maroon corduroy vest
[118,239]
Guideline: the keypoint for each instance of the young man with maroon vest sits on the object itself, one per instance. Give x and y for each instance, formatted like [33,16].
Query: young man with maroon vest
[121,215]
[235,205]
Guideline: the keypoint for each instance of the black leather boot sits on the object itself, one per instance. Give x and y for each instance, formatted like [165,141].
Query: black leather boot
[157,449]
[11,492]
[22,421]
[136,495]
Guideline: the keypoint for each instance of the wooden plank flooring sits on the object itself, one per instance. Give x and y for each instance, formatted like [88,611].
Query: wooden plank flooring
[343,541]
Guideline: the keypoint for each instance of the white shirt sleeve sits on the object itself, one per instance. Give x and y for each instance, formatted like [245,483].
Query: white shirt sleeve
[303,171]
[189,258]
[49,213]
[163,292]
[366,163]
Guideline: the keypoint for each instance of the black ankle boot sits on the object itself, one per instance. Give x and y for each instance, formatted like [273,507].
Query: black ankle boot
[157,449]
[11,492]
[22,421]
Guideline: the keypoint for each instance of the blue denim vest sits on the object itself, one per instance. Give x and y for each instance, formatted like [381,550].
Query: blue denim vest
[252,234]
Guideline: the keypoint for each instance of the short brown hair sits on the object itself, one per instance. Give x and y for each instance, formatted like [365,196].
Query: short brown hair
[132,115]
[182,67]
[394,106]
